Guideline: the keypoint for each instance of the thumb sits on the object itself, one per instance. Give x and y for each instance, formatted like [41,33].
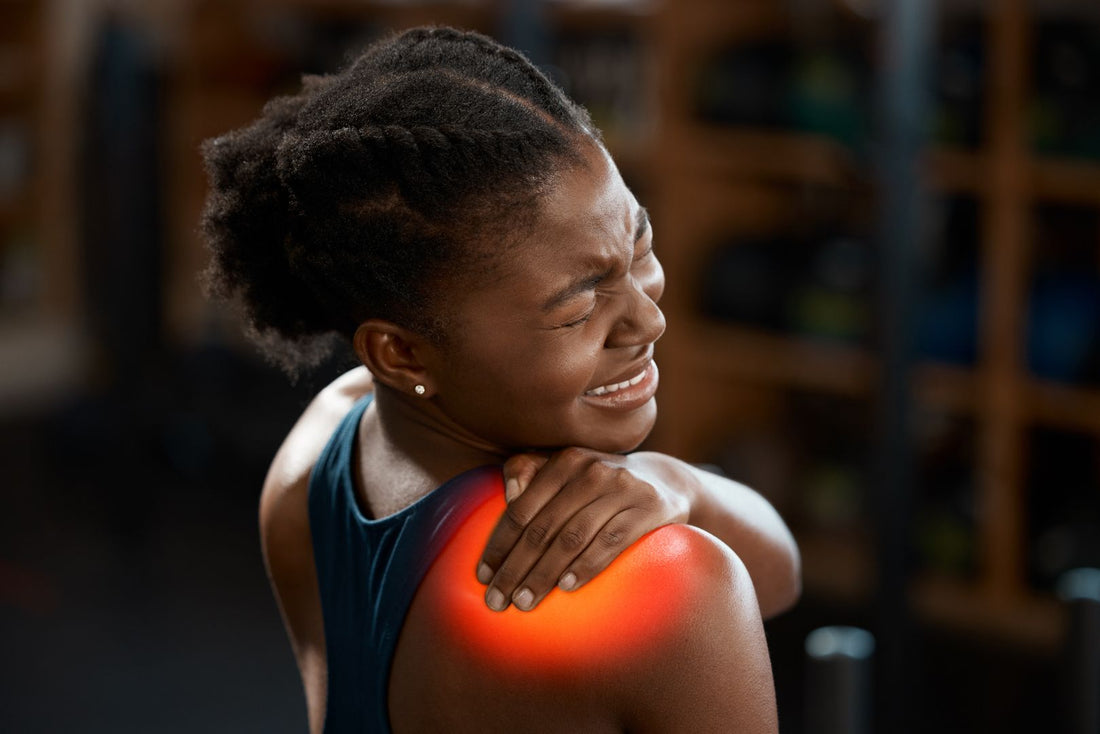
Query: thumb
[518,473]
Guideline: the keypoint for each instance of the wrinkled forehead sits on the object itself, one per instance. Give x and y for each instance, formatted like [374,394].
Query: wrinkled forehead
[590,198]
[584,218]
[586,209]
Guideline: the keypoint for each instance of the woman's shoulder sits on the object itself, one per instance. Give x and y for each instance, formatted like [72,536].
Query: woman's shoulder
[670,632]
[291,467]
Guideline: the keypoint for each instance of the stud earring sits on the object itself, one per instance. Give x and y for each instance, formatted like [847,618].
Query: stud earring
[420,389]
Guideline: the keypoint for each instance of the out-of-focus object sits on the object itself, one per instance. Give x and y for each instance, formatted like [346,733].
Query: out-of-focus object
[1080,590]
[1064,302]
[958,84]
[947,323]
[838,680]
[1065,112]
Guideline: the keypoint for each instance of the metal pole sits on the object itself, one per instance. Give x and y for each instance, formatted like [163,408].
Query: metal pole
[838,680]
[906,31]
[1080,590]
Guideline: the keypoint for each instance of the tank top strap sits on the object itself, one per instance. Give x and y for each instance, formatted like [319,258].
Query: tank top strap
[368,571]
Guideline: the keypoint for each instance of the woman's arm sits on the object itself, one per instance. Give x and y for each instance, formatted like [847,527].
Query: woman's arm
[740,518]
[570,514]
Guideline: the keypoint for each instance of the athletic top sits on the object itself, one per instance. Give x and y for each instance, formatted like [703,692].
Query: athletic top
[368,572]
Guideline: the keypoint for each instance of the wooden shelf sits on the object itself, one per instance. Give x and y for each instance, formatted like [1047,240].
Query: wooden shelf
[839,568]
[1029,620]
[588,17]
[741,353]
[18,209]
[757,153]
[1064,406]
[1067,181]
[706,23]
[797,157]
[759,356]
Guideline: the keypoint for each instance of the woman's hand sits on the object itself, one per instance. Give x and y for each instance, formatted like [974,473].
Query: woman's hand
[569,515]
[573,512]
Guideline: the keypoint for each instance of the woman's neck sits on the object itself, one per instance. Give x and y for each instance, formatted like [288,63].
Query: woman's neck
[406,450]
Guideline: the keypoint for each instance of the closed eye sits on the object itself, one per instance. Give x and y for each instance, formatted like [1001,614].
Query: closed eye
[578,322]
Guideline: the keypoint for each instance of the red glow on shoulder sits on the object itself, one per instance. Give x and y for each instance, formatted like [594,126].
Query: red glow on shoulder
[616,614]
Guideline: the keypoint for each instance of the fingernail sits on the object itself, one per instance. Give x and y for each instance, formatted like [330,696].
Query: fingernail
[568,581]
[484,573]
[495,600]
[511,489]
[524,599]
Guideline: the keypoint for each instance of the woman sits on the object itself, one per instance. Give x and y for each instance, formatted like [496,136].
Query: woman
[456,533]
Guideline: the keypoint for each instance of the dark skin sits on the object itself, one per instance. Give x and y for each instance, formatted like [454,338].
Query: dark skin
[576,312]
[524,382]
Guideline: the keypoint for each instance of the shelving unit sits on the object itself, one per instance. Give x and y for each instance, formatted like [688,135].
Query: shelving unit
[40,351]
[705,184]
[724,380]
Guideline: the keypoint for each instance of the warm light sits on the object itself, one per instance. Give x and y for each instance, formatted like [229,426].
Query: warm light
[614,615]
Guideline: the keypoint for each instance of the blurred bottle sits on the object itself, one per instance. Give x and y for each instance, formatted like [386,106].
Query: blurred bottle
[838,680]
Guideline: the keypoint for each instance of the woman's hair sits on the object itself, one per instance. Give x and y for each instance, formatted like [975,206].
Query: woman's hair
[370,190]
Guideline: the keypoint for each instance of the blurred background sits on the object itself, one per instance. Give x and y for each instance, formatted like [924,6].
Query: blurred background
[136,423]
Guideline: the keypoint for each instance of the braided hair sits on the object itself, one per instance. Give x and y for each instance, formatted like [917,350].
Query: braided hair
[354,198]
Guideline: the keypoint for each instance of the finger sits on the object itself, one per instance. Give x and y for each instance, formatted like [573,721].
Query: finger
[618,534]
[544,486]
[518,473]
[568,545]
[538,535]
[537,539]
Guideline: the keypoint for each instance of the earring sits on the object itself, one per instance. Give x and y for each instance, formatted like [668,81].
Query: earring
[420,389]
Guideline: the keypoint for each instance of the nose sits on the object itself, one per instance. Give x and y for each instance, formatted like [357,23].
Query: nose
[642,321]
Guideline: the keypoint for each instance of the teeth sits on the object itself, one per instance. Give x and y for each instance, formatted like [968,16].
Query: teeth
[616,386]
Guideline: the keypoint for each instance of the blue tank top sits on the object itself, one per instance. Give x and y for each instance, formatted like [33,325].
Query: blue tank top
[369,570]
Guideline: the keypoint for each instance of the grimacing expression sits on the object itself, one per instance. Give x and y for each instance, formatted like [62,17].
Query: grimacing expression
[558,351]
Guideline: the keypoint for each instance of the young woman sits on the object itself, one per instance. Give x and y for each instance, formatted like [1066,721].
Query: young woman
[456,532]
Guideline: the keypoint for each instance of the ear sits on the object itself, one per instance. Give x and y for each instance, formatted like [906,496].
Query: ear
[394,355]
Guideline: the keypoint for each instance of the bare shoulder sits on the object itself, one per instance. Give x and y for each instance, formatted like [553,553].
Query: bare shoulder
[285,533]
[299,451]
[668,638]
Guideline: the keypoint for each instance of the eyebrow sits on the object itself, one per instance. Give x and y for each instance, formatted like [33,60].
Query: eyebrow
[641,223]
[583,283]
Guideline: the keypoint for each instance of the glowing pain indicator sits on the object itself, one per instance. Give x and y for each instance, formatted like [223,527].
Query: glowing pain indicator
[620,613]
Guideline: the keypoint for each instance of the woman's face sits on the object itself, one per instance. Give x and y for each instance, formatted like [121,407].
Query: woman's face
[559,350]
